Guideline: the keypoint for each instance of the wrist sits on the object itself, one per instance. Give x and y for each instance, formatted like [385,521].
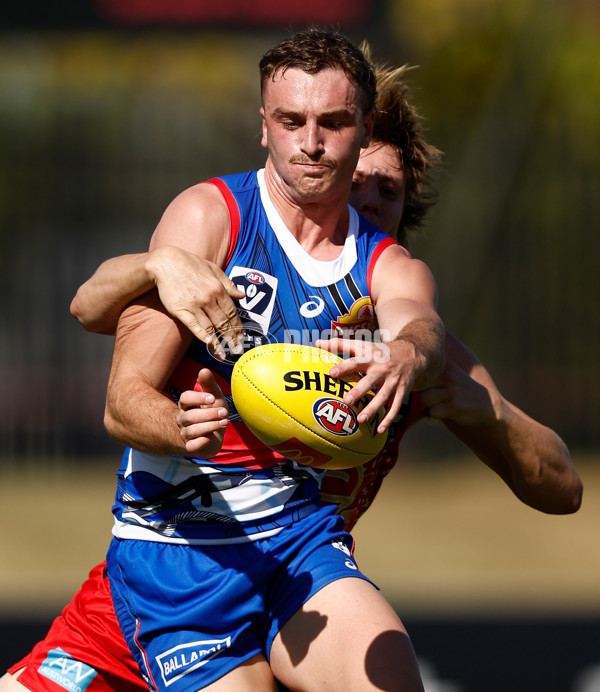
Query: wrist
[425,338]
[152,264]
[409,351]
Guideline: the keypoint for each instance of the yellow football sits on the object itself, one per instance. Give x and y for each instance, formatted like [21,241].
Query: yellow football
[285,395]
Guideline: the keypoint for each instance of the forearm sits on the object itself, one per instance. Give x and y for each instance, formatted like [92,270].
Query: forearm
[149,344]
[530,457]
[155,432]
[101,299]
[405,298]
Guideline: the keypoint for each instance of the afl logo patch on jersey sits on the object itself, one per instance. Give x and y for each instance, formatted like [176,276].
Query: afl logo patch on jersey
[334,416]
[255,278]
[260,290]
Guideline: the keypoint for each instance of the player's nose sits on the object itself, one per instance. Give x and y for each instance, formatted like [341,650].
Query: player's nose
[368,199]
[312,142]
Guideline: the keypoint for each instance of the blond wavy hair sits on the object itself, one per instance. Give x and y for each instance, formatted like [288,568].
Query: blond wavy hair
[398,123]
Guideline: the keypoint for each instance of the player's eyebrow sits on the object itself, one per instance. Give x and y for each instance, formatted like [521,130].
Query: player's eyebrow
[340,113]
[288,112]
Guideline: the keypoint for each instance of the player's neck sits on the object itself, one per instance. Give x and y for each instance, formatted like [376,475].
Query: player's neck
[319,223]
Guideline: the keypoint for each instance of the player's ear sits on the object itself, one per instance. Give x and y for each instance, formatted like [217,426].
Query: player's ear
[264,139]
[368,124]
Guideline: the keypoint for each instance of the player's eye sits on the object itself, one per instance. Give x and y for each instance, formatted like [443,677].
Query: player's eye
[389,192]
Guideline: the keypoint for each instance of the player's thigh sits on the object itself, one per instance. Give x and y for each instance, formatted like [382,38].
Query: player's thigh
[347,636]
[9,683]
[252,676]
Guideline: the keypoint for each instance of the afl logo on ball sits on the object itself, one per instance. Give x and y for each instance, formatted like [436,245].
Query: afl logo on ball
[335,416]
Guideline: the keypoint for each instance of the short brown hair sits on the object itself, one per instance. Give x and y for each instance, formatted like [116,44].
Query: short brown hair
[315,50]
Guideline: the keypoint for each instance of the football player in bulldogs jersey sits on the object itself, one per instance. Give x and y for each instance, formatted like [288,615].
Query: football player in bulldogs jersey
[390,187]
[223,553]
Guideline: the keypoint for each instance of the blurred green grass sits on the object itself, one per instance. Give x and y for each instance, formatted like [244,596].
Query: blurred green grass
[444,538]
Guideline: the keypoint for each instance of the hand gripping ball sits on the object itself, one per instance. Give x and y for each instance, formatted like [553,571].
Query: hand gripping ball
[286,397]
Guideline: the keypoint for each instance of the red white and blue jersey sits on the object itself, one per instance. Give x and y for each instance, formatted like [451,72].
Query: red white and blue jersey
[247,490]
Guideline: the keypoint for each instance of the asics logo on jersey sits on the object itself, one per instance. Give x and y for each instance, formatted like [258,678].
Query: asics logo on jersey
[313,307]
[340,545]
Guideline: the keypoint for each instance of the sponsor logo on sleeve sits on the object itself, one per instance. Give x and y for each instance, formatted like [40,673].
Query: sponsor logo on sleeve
[66,671]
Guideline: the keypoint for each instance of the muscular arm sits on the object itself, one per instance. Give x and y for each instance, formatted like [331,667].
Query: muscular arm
[530,457]
[117,281]
[149,342]
[148,346]
[413,353]
[192,289]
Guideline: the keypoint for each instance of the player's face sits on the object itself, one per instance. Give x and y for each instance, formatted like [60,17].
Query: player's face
[378,187]
[314,128]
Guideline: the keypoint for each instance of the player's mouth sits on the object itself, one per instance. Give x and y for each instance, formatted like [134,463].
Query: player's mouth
[371,217]
[320,165]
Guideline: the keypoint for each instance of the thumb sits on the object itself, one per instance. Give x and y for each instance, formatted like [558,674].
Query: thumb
[206,382]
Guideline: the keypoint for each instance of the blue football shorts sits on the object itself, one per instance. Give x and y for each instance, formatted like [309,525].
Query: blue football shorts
[191,614]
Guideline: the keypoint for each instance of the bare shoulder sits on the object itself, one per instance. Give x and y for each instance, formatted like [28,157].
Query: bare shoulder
[396,257]
[198,221]
[412,277]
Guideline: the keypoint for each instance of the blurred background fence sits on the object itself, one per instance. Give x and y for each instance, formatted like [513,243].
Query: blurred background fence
[109,109]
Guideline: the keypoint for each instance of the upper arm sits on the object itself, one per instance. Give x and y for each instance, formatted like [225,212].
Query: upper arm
[148,345]
[149,342]
[139,411]
[198,221]
[412,294]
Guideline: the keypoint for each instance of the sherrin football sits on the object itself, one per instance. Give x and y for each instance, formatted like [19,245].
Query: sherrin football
[285,395]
